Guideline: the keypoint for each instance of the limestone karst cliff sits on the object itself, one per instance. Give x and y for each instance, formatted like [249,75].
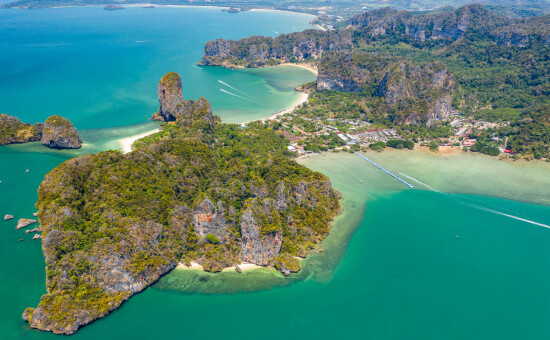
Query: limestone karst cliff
[260,51]
[174,108]
[425,89]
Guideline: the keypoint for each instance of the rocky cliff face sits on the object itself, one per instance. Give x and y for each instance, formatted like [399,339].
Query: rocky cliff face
[452,25]
[59,133]
[257,247]
[261,51]
[423,88]
[170,97]
[523,32]
[12,130]
[210,219]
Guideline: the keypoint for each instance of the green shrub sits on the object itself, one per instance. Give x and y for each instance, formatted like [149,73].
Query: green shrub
[211,238]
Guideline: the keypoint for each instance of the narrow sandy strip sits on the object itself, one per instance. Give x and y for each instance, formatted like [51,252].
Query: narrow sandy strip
[126,143]
[195,266]
[310,68]
[302,99]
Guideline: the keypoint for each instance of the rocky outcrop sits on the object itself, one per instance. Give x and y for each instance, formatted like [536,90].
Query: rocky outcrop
[23,222]
[170,97]
[59,133]
[523,32]
[257,247]
[423,88]
[210,219]
[262,51]
[12,130]
[8,217]
[173,107]
[453,25]
[197,114]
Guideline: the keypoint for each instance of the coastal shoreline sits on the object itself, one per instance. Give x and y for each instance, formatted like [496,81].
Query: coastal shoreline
[304,66]
[244,266]
[301,100]
[126,143]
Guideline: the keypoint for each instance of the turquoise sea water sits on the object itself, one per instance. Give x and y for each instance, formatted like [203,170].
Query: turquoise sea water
[393,267]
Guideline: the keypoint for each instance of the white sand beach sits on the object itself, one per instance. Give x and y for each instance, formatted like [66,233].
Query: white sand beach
[126,143]
[195,266]
[308,67]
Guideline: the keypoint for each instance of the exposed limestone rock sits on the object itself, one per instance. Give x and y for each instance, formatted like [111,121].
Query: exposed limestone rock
[33,230]
[173,107]
[261,51]
[59,133]
[23,222]
[210,219]
[440,25]
[255,247]
[8,217]
[399,81]
[196,114]
[170,97]
[36,236]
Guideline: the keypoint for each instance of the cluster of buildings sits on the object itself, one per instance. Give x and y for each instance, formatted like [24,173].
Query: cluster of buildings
[466,132]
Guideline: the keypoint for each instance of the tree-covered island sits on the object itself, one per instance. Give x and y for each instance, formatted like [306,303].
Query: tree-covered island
[199,190]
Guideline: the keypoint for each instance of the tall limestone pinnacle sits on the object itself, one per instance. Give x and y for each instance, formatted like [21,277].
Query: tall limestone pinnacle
[173,108]
[170,97]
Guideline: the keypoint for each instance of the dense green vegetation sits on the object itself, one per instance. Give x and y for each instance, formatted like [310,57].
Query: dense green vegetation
[137,214]
[496,81]
[12,130]
[400,144]
[485,149]
[498,69]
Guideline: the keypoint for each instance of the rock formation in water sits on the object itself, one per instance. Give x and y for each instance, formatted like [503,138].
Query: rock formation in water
[170,97]
[59,133]
[200,191]
[12,130]
[174,108]
[56,133]
[23,222]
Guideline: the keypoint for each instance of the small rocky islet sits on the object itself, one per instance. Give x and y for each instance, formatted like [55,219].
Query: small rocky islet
[199,190]
[55,133]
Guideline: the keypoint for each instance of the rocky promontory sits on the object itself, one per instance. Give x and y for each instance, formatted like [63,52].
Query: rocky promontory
[12,130]
[56,133]
[59,133]
[198,191]
[260,51]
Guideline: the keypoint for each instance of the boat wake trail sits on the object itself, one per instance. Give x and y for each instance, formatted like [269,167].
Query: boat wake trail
[236,95]
[475,206]
[231,87]
[421,183]
[504,214]
[196,66]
